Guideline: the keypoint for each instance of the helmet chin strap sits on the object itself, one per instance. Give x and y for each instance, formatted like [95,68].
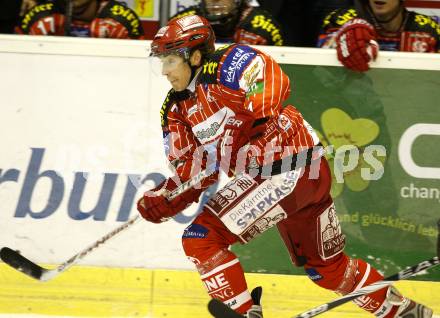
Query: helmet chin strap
[191,84]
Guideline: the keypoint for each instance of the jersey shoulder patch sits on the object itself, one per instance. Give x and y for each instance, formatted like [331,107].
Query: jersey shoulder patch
[234,64]
[36,13]
[119,12]
[261,22]
[171,100]
[210,66]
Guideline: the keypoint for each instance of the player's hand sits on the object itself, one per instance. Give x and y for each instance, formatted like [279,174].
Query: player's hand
[156,208]
[237,133]
[356,45]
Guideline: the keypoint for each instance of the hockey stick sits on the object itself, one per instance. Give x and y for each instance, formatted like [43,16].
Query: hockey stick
[220,310]
[371,288]
[406,273]
[19,262]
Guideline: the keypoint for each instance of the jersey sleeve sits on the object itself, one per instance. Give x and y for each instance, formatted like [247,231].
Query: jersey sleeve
[117,21]
[43,19]
[331,25]
[179,141]
[258,77]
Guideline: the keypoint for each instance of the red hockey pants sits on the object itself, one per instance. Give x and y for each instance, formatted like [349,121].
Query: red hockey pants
[312,235]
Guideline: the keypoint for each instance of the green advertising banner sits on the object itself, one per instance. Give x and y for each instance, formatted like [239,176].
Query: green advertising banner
[386,188]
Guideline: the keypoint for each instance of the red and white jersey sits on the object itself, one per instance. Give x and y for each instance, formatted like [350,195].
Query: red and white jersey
[233,78]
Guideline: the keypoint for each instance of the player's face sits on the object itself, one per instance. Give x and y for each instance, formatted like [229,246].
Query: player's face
[384,9]
[219,7]
[177,71]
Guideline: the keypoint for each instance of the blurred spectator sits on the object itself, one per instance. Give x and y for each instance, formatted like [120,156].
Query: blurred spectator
[9,14]
[26,5]
[358,32]
[82,18]
[237,21]
[302,19]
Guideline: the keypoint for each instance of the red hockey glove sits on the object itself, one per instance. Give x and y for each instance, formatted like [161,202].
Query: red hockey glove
[156,208]
[356,45]
[237,133]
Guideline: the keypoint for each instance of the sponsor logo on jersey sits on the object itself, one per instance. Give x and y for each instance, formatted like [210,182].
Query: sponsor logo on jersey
[195,231]
[367,303]
[212,127]
[261,22]
[128,15]
[210,68]
[262,199]
[313,274]
[423,20]
[236,61]
[265,222]
[219,287]
[35,11]
[331,240]
[231,192]
[343,18]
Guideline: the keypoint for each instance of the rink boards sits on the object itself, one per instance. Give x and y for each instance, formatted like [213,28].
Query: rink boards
[69,176]
[112,292]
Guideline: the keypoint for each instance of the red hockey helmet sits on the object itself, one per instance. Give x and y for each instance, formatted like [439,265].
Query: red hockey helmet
[182,36]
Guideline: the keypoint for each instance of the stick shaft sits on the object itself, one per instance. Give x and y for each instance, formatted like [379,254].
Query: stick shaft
[26,266]
[371,288]
[48,274]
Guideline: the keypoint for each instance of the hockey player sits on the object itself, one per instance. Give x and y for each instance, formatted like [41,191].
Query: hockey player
[358,32]
[231,100]
[82,18]
[236,21]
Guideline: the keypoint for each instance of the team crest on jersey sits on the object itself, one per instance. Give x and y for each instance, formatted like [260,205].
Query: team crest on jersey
[252,75]
[284,122]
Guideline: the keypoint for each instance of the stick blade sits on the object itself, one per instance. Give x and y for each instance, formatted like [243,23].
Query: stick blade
[21,263]
[219,310]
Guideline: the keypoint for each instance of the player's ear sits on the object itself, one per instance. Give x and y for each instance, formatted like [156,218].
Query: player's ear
[196,58]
